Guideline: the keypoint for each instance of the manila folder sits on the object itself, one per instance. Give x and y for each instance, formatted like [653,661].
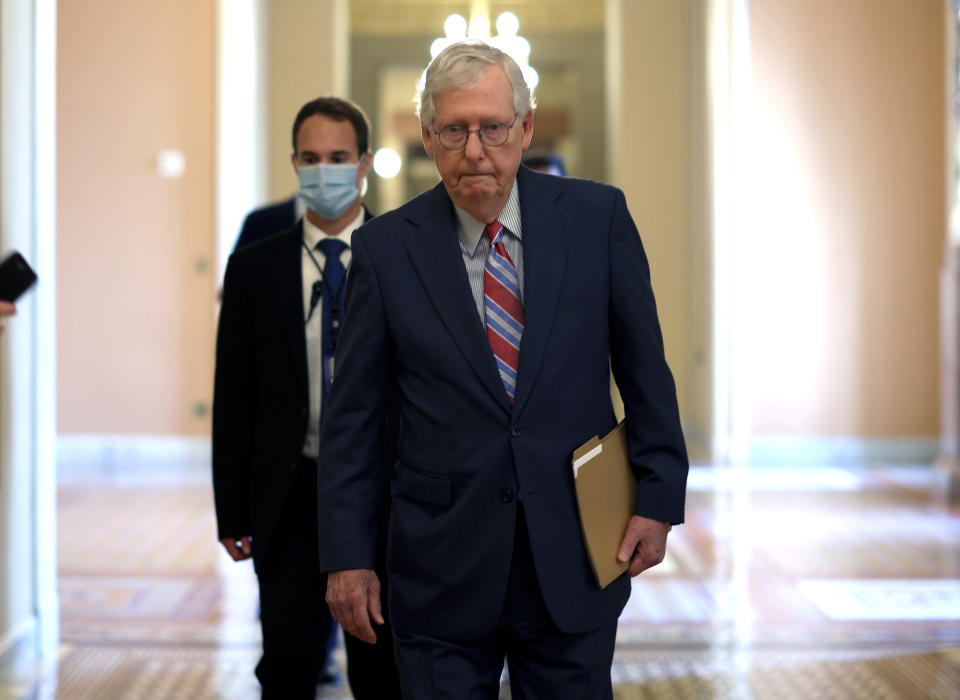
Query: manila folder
[606,496]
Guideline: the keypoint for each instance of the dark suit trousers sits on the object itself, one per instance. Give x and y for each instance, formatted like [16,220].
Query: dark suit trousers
[543,662]
[371,668]
[295,620]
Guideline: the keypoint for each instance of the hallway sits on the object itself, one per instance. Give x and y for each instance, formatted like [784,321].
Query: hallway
[784,583]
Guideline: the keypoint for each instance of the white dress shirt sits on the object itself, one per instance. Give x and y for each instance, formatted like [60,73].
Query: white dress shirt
[475,245]
[314,327]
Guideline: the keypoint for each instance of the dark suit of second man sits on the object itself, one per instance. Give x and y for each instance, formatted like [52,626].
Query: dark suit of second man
[282,302]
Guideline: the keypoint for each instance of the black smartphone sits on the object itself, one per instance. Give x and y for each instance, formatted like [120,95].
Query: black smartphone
[16,277]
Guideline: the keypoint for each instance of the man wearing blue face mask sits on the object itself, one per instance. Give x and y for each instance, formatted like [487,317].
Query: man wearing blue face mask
[283,301]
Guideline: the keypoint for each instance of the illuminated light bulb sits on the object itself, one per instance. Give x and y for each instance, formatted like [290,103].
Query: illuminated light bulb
[387,163]
[531,76]
[508,44]
[521,49]
[455,27]
[479,27]
[438,45]
[508,39]
[507,24]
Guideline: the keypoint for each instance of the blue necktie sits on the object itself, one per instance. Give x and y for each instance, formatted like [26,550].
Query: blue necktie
[334,276]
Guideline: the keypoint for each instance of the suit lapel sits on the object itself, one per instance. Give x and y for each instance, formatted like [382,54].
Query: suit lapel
[288,276]
[546,236]
[434,250]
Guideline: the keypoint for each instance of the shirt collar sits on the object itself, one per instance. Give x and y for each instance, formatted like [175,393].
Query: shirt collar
[312,234]
[470,231]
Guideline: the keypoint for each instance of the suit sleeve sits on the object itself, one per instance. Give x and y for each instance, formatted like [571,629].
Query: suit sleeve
[349,482]
[234,403]
[654,436]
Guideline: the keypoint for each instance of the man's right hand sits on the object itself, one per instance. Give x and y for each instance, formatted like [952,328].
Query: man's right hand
[354,599]
[237,547]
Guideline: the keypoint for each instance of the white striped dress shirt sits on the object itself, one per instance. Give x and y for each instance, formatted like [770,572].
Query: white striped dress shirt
[475,245]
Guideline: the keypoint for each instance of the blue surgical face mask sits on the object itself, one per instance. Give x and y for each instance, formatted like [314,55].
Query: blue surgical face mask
[328,188]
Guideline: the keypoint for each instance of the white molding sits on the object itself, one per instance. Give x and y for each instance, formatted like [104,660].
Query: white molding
[17,637]
[822,450]
[46,595]
[130,458]
[28,392]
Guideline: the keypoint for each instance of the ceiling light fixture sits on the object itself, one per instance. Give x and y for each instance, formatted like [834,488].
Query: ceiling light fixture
[456,28]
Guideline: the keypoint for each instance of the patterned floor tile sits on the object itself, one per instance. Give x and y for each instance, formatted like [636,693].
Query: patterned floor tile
[798,583]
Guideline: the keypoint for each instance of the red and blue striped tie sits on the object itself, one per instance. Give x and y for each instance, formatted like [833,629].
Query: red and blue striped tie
[504,310]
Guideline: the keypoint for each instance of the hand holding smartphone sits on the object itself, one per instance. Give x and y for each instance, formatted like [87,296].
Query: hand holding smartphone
[16,277]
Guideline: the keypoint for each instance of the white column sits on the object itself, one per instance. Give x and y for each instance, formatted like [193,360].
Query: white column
[29,608]
[657,128]
[948,461]
[241,118]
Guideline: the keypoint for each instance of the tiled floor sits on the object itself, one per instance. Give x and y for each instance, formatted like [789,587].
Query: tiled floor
[798,583]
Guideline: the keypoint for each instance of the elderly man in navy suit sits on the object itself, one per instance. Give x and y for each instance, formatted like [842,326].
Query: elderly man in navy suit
[497,303]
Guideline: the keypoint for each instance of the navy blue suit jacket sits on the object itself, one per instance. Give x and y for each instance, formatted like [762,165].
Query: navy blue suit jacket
[466,453]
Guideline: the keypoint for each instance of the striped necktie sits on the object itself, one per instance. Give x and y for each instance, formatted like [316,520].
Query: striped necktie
[503,308]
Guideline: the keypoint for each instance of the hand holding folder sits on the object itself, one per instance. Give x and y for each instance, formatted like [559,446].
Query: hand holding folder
[606,496]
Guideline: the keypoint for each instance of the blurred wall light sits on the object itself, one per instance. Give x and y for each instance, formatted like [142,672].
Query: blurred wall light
[387,163]
[456,28]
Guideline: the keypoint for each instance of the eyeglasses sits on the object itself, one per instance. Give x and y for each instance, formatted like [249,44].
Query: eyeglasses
[455,136]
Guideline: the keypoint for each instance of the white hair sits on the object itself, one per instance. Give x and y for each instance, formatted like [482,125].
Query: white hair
[461,65]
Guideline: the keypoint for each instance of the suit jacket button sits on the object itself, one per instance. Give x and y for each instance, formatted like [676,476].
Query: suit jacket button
[514,432]
[506,495]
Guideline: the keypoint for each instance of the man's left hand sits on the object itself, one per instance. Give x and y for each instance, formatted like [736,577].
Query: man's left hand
[644,544]
[353,596]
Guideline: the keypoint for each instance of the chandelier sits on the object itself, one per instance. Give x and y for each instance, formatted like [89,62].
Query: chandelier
[456,28]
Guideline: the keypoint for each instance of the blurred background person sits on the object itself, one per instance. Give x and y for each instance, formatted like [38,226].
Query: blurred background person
[270,219]
[549,162]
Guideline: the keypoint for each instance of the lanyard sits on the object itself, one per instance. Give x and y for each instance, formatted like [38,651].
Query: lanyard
[316,291]
[329,341]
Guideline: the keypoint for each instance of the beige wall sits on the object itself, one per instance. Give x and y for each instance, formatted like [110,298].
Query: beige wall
[849,217]
[835,311]
[849,205]
[306,58]
[135,288]
[654,70]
